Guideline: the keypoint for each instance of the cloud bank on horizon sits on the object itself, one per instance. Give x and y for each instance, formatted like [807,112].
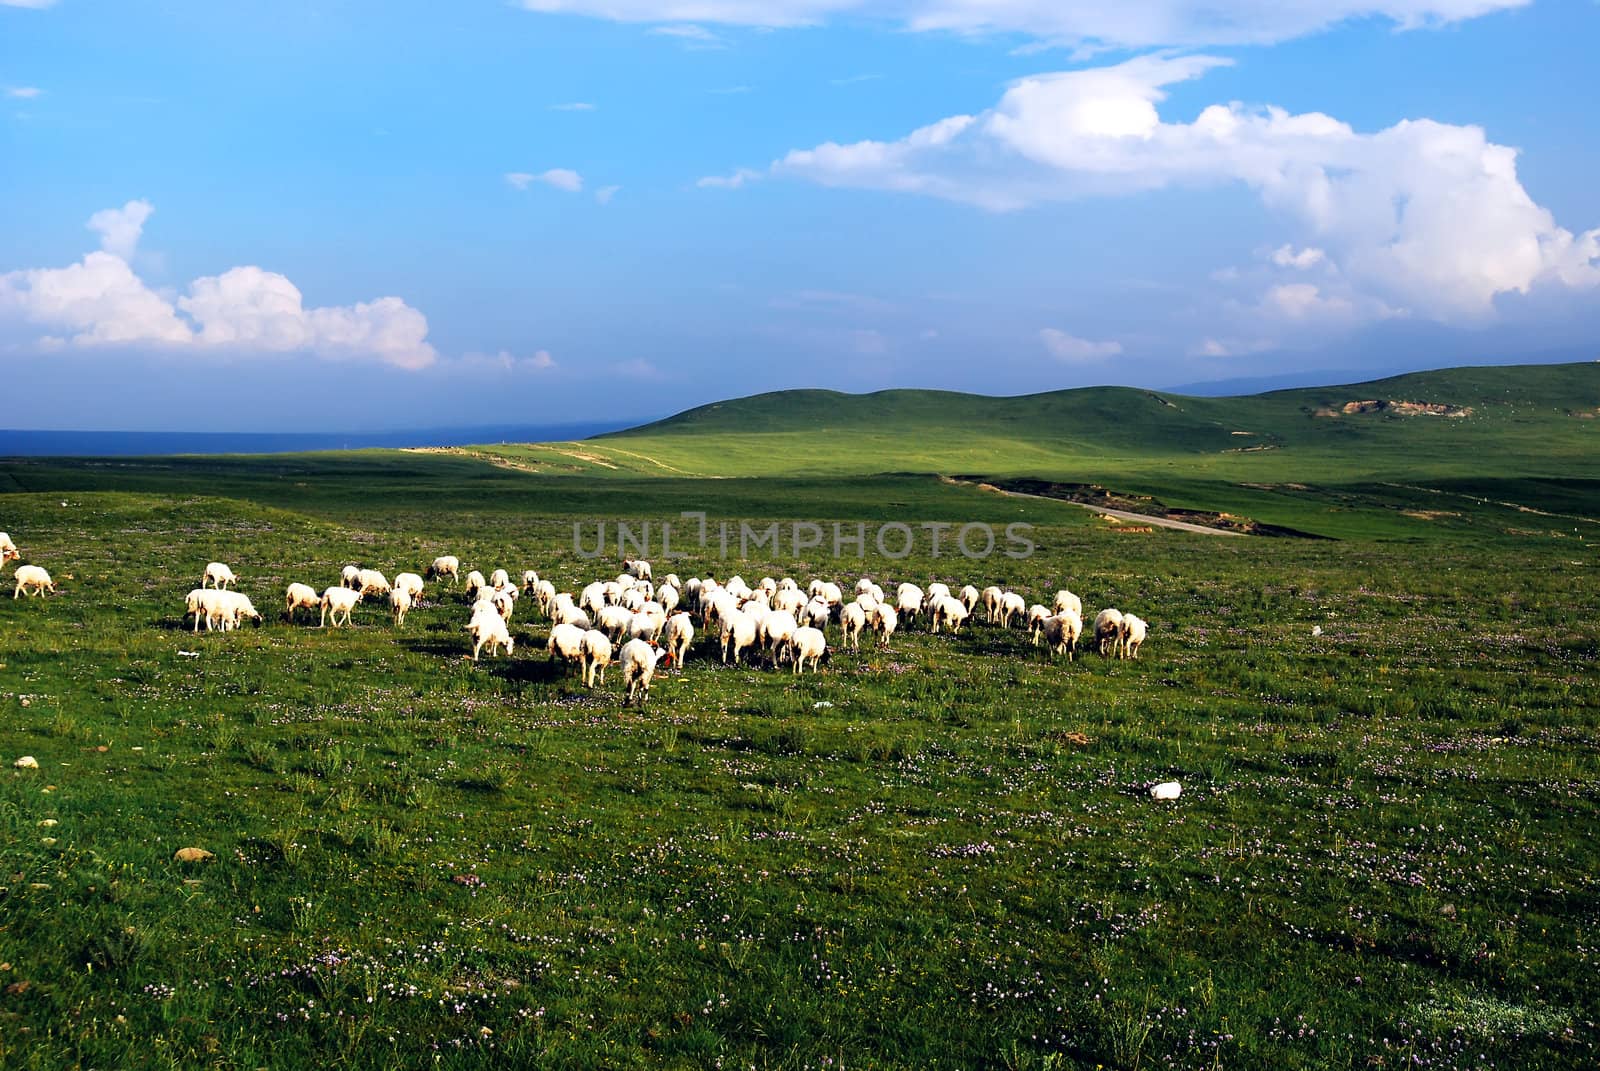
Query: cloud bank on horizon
[1145,190]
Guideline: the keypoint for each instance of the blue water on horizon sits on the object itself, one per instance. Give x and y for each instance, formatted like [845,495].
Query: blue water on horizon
[155,443]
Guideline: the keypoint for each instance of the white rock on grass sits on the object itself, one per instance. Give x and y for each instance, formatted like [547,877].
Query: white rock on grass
[27,762]
[1166,790]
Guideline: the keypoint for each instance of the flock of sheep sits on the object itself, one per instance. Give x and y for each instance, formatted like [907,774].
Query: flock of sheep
[631,621]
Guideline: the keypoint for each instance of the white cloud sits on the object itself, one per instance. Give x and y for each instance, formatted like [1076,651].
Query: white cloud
[1070,348]
[27,3]
[1230,347]
[506,361]
[729,182]
[637,368]
[1128,23]
[245,310]
[573,106]
[1422,215]
[696,36]
[1300,301]
[605,193]
[558,177]
[23,92]
[1287,256]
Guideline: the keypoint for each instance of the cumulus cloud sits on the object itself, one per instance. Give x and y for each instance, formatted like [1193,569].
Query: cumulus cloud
[1287,256]
[245,310]
[558,177]
[1074,350]
[506,361]
[1422,215]
[1126,23]
[27,3]
[729,182]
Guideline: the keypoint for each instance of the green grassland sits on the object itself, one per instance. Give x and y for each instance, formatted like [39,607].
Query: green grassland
[938,855]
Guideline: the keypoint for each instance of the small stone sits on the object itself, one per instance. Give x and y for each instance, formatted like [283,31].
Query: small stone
[27,702]
[193,855]
[47,841]
[27,762]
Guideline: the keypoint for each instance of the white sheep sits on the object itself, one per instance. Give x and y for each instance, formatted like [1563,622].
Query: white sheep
[805,643]
[638,667]
[300,597]
[593,598]
[950,613]
[1131,634]
[33,576]
[934,593]
[884,621]
[1012,605]
[676,636]
[1108,630]
[411,584]
[8,549]
[544,595]
[475,581]
[566,643]
[738,633]
[908,600]
[816,613]
[198,604]
[571,615]
[595,656]
[350,576]
[218,576]
[336,601]
[789,600]
[490,632]
[672,579]
[648,621]
[499,578]
[1036,616]
[613,621]
[852,619]
[530,580]
[236,606]
[1066,600]
[637,567]
[372,582]
[991,597]
[775,628]
[1060,632]
[768,585]
[969,598]
[446,565]
[831,594]
[667,595]
[399,605]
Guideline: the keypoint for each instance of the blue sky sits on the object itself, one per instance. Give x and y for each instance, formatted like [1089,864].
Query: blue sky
[373,215]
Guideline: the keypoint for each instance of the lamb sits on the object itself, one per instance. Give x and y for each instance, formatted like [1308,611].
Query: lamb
[8,550]
[218,576]
[1011,605]
[677,636]
[446,565]
[668,597]
[950,613]
[991,603]
[638,667]
[1131,635]
[566,642]
[336,601]
[636,567]
[613,621]
[908,600]
[544,594]
[738,633]
[499,578]
[372,582]
[411,584]
[475,581]
[884,621]
[969,598]
[594,656]
[816,613]
[530,580]
[198,603]
[32,576]
[1060,632]
[803,644]
[1108,630]
[491,632]
[852,619]
[350,576]
[1066,600]
[1036,615]
[400,605]
[299,597]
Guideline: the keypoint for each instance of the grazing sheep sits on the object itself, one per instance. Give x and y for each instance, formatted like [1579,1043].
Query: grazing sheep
[530,579]
[1036,615]
[648,621]
[934,593]
[1108,630]
[672,579]
[852,619]
[446,565]
[805,643]
[636,567]
[638,667]
[400,605]
[908,600]
[594,656]
[499,578]
[969,598]
[475,581]
[774,629]
[372,582]
[950,613]
[566,643]
[884,621]
[816,613]
[831,594]
[236,606]
[350,576]
[197,603]
[490,632]
[738,633]
[218,576]
[737,587]
[299,597]
[667,596]
[613,621]
[1066,600]
[8,549]
[592,598]
[544,596]
[991,597]
[676,636]
[789,600]
[1012,605]
[1131,634]
[32,576]
[571,615]
[336,601]
[411,584]
[1060,632]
